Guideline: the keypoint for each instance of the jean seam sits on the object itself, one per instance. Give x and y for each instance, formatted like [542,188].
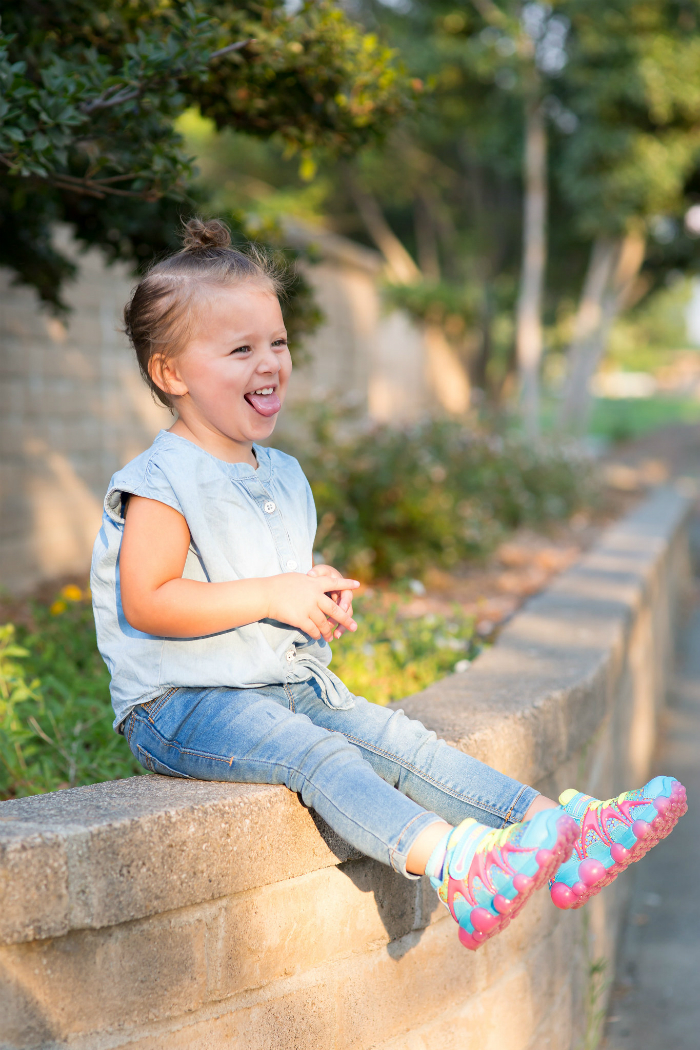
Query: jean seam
[506,819]
[425,776]
[153,759]
[290,697]
[160,701]
[393,850]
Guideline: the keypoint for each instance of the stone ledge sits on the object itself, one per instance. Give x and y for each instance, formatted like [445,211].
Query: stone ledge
[106,854]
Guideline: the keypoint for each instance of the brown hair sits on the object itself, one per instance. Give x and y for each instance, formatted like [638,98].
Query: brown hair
[158,317]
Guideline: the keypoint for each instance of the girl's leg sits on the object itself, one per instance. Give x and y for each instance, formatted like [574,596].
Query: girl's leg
[483,876]
[613,834]
[431,772]
[252,736]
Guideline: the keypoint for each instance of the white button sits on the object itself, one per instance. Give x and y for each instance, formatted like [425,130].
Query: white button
[290,654]
[291,565]
[269,507]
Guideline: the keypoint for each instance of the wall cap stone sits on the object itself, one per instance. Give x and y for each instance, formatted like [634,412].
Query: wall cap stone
[96,856]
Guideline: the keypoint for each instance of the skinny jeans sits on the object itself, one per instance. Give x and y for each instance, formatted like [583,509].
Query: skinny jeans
[375,776]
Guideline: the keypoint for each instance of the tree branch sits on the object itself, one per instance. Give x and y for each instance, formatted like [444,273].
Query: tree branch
[92,188]
[229,48]
[108,99]
[490,12]
[99,188]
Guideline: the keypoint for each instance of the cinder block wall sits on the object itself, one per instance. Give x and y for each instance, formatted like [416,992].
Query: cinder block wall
[156,913]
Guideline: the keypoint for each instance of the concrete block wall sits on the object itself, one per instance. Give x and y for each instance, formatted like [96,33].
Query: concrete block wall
[157,913]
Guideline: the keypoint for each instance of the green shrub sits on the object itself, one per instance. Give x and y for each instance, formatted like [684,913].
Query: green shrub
[55,713]
[390,656]
[392,502]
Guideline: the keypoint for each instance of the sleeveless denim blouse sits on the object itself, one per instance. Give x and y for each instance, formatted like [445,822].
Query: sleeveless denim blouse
[243,523]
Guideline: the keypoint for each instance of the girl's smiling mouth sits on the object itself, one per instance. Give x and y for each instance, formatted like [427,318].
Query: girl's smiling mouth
[264,400]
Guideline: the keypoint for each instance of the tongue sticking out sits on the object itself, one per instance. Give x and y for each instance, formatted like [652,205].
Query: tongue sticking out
[264,404]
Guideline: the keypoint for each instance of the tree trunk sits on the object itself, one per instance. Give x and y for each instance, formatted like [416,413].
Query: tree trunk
[403,268]
[612,271]
[426,237]
[528,337]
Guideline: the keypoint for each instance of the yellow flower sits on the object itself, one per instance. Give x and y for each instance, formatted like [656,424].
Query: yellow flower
[57,608]
[72,593]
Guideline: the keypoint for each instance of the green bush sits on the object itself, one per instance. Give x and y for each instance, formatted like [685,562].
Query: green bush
[390,656]
[55,713]
[393,502]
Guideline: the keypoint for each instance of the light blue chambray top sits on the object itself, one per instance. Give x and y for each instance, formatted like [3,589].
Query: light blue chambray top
[243,523]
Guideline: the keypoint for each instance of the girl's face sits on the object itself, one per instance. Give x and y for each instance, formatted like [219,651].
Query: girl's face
[230,382]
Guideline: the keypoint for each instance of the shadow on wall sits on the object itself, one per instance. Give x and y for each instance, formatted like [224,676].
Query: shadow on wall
[404,906]
[72,411]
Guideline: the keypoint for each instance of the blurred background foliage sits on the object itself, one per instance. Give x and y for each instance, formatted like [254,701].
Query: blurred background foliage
[393,502]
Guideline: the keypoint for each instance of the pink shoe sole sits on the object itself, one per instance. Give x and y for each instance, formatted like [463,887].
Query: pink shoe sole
[548,861]
[670,809]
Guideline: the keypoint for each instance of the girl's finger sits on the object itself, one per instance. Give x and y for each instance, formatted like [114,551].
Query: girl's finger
[341,617]
[339,584]
[323,625]
[311,629]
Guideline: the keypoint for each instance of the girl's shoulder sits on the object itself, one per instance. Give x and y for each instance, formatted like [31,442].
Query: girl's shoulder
[149,474]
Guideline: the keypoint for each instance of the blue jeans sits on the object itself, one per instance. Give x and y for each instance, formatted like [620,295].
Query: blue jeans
[346,765]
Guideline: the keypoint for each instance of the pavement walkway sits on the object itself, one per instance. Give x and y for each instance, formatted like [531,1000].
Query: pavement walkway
[656,999]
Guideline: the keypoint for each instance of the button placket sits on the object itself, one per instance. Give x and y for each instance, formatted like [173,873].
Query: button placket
[275,523]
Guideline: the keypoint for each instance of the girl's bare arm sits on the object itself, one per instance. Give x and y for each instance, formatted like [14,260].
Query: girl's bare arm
[156,599]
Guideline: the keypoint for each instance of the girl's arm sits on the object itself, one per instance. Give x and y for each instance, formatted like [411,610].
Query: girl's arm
[156,599]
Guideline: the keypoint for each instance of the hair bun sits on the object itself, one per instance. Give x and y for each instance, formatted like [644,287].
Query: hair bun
[199,234]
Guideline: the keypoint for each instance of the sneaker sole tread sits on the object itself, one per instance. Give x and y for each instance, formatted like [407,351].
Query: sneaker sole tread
[567,833]
[659,828]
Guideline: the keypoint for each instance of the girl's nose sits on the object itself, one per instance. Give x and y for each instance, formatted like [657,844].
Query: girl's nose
[269,364]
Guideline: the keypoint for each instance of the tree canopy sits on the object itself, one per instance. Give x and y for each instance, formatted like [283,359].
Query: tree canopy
[91,90]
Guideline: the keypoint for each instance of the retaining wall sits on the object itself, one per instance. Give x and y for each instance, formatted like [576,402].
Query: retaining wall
[154,913]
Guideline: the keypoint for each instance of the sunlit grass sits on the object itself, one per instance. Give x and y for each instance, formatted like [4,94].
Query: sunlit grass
[621,419]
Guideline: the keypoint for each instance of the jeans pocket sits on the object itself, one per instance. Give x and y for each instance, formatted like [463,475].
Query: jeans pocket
[152,707]
[154,765]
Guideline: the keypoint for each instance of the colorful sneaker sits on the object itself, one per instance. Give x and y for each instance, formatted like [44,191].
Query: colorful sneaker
[613,835]
[488,874]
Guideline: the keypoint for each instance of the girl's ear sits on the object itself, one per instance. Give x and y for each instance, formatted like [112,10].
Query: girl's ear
[166,376]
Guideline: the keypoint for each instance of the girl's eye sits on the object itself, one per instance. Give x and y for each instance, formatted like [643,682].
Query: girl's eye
[280,342]
[241,350]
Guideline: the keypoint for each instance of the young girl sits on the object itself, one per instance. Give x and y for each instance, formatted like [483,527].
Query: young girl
[216,627]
